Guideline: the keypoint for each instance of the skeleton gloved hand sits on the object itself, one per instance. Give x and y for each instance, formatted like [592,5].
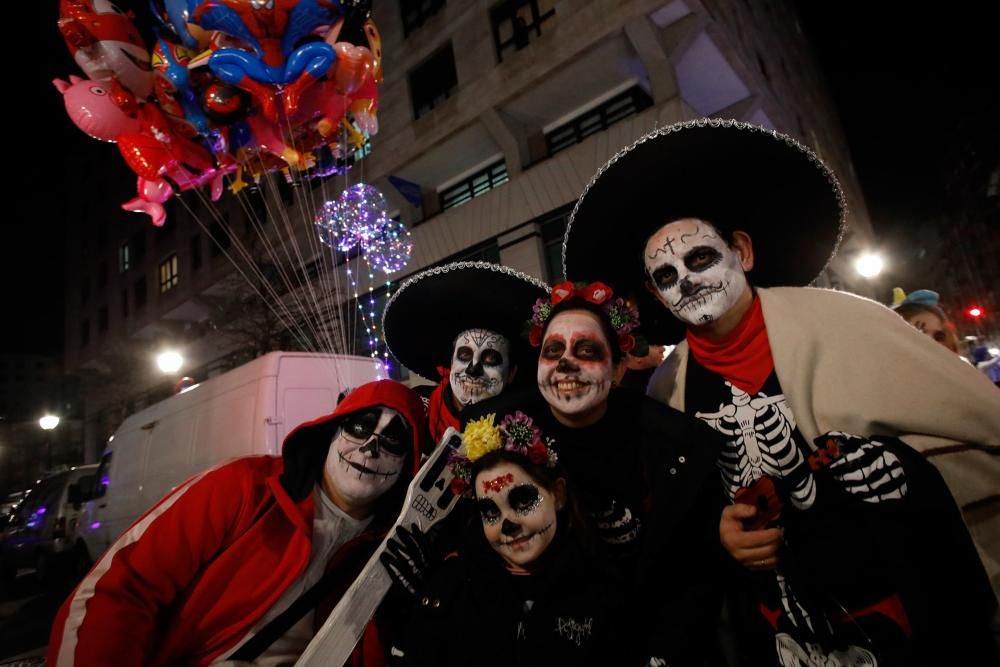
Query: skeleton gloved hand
[407,557]
[865,468]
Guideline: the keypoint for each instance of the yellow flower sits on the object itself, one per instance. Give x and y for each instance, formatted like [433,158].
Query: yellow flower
[480,437]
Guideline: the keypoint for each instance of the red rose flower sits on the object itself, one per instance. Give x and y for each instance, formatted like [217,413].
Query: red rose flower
[538,454]
[535,336]
[597,293]
[626,342]
[458,486]
[562,291]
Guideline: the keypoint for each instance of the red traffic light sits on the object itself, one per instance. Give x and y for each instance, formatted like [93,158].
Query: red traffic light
[975,311]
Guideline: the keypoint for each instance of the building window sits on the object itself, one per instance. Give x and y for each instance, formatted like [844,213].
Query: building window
[124,303]
[168,274]
[84,332]
[196,252]
[433,82]
[102,319]
[513,22]
[597,119]
[415,12]
[140,292]
[479,183]
[124,261]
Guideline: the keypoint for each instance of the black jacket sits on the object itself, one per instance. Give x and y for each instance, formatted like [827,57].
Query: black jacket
[671,592]
[473,613]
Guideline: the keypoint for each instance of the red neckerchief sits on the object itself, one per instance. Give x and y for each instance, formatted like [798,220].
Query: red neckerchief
[439,414]
[743,356]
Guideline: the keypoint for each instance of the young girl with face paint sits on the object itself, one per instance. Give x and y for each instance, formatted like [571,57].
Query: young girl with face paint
[527,589]
[644,473]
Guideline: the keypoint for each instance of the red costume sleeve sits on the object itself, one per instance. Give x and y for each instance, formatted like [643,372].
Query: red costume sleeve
[111,618]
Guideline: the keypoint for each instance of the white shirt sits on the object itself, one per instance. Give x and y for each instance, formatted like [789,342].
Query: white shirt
[332,529]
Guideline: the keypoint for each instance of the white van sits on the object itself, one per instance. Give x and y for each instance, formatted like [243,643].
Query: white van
[248,410]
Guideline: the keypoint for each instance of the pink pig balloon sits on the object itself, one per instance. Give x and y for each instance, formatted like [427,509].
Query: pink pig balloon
[91,108]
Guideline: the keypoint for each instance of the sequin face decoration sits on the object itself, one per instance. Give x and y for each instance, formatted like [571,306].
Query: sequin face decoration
[480,365]
[693,271]
[498,484]
[519,520]
[574,364]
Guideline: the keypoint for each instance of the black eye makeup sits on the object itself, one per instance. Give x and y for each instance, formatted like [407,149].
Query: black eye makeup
[589,350]
[702,258]
[492,358]
[394,438]
[361,425]
[553,348]
[464,353]
[665,277]
[524,499]
[489,511]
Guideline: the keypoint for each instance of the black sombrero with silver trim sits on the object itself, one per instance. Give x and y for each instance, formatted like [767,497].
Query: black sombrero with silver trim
[427,312]
[737,175]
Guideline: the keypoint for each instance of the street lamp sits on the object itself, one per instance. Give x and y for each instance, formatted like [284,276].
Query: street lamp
[48,422]
[869,265]
[170,361]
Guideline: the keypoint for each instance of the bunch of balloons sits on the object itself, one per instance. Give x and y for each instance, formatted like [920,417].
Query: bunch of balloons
[229,86]
[358,218]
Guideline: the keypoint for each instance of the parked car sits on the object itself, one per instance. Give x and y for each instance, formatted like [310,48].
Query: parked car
[42,532]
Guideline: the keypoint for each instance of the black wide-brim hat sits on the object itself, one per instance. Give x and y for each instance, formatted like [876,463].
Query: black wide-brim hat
[733,174]
[429,310]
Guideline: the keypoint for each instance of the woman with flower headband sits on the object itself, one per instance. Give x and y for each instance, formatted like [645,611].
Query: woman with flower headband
[527,589]
[645,473]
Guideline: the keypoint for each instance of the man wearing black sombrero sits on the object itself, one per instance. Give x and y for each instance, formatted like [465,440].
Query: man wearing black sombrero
[461,324]
[854,552]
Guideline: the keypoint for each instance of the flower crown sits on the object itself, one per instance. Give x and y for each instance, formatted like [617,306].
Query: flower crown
[624,318]
[516,433]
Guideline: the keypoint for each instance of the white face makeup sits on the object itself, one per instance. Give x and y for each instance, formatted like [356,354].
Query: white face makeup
[574,365]
[519,515]
[366,456]
[480,364]
[695,274]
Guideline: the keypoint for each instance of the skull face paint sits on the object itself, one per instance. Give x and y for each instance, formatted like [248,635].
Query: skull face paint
[574,366]
[519,517]
[480,364]
[694,272]
[366,456]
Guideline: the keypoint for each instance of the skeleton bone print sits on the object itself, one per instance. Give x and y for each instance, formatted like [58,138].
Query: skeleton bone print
[759,431]
[617,524]
[792,654]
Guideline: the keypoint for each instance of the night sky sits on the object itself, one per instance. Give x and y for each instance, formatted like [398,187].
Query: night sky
[902,78]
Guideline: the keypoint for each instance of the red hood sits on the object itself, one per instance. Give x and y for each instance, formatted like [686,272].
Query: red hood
[306,447]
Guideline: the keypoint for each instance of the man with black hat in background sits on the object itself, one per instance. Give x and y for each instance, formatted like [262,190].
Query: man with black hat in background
[854,550]
[460,325]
